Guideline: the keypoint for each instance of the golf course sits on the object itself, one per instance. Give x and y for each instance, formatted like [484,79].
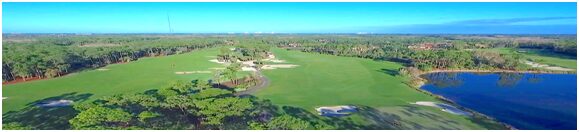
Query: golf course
[317,80]
[289,66]
[326,80]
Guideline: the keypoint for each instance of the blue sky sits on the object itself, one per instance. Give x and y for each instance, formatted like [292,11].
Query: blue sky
[419,18]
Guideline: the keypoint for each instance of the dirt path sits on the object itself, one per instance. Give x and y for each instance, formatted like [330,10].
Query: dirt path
[264,82]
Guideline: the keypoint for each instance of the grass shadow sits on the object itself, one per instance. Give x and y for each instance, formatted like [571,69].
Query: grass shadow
[46,118]
[319,121]
[373,118]
[390,72]
[379,120]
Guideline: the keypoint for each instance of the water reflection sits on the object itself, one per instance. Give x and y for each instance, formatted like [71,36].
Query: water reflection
[534,78]
[509,80]
[506,80]
[524,100]
[443,79]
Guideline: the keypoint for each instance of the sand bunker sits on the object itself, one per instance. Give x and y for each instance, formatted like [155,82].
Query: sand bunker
[217,68]
[246,68]
[277,61]
[191,72]
[342,110]
[56,103]
[248,63]
[556,68]
[217,61]
[102,69]
[278,66]
[444,107]
[3,98]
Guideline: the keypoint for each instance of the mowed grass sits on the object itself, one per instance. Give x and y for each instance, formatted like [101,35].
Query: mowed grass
[541,56]
[137,76]
[325,80]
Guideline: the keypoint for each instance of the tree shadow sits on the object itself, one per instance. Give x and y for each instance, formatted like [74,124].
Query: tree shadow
[415,111]
[319,121]
[379,120]
[374,119]
[46,118]
[390,72]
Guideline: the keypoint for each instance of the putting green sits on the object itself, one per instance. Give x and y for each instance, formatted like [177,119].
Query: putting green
[136,76]
[326,80]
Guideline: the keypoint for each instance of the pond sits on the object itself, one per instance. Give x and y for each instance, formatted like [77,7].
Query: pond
[523,100]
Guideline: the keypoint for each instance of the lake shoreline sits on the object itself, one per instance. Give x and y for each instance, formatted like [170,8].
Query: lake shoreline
[421,85]
[423,81]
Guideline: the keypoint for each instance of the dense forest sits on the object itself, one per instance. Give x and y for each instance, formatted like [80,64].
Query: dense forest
[51,55]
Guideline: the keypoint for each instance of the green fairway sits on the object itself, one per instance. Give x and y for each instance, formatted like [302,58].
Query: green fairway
[540,56]
[319,80]
[325,80]
[136,76]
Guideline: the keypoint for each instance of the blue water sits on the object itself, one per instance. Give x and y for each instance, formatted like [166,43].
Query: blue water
[525,101]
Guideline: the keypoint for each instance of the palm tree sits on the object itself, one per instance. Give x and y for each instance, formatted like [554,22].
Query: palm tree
[232,70]
[217,76]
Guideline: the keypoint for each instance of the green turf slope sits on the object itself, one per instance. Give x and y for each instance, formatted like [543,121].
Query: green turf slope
[325,80]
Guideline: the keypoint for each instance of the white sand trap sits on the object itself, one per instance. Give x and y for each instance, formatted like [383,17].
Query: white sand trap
[248,63]
[278,66]
[192,72]
[277,61]
[217,61]
[444,107]
[336,110]
[3,98]
[559,68]
[246,68]
[217,68]
[56,103]
[556,68]
[102,69]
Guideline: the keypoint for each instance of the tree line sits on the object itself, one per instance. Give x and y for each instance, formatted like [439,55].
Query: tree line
[44,56]
[449,52]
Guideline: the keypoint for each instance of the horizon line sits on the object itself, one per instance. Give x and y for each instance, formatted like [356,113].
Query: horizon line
[328,33]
